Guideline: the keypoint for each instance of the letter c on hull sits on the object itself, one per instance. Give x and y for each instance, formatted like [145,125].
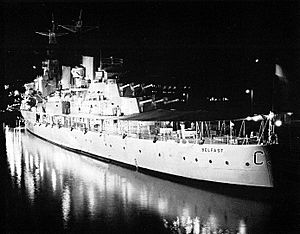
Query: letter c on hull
[255,158]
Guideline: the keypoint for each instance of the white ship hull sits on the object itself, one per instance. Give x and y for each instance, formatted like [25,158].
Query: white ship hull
[232,164]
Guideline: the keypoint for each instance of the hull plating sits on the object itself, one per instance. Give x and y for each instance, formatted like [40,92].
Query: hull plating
[233,164]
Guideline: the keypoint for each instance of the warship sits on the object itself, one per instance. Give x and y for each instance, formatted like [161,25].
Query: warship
[88,111]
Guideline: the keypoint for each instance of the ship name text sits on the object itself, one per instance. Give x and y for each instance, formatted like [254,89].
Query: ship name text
[212,150]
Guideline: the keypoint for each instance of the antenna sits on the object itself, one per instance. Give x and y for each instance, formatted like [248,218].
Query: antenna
[53,23]
[80,14]
[78,27]
[100,61]
[51,34]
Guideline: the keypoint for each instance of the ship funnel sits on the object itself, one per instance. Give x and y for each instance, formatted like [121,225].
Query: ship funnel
[88,63]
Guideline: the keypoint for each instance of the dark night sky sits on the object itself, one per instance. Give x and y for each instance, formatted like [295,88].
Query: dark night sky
[212,45]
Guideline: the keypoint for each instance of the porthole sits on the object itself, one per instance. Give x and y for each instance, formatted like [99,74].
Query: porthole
[210,161]
[196,159]
[247,164]
[226,162]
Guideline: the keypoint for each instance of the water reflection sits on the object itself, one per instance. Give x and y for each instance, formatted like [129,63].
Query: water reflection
[83,191]
[66,204]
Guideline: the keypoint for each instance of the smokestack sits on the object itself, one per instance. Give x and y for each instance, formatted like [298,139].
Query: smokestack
[88,63]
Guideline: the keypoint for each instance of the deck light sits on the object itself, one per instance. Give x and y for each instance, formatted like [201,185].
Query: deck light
[257,118]
[271,115]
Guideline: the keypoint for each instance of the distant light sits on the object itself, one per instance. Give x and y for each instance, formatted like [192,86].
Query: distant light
[249,118]
[34,67]
[289,113]
[247,91]
[278,123]
[256,60]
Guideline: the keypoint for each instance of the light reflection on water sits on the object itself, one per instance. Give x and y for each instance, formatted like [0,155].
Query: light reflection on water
[86,193]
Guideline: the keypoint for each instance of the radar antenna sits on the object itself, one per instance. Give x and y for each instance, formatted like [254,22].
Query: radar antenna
[51,34]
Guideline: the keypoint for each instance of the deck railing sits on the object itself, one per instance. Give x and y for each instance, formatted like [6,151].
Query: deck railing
[178,136]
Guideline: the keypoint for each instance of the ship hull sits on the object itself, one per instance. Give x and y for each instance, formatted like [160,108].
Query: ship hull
[248,165]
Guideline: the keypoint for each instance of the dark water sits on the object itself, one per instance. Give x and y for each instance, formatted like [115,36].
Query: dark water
[48,189]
